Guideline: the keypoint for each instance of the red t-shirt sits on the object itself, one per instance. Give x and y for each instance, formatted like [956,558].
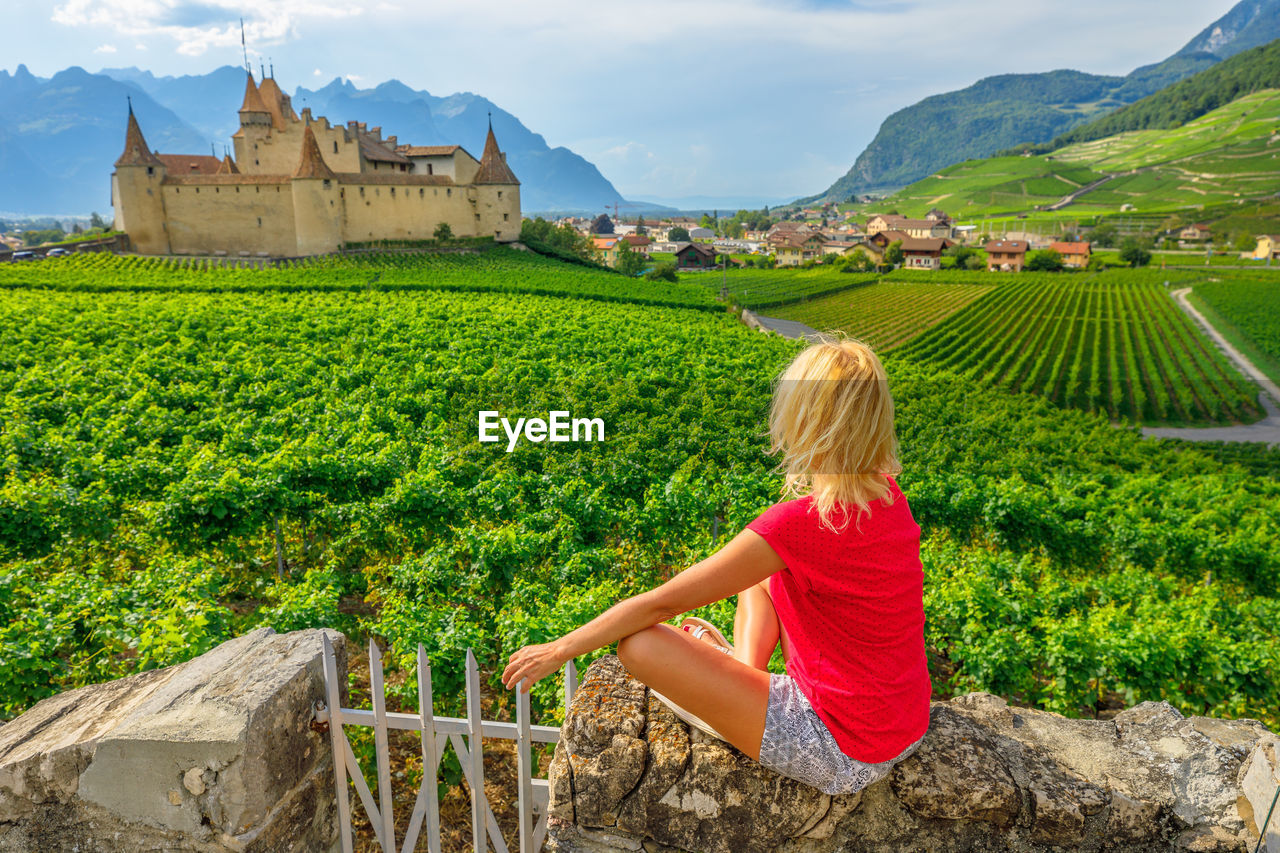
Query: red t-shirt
[852,604]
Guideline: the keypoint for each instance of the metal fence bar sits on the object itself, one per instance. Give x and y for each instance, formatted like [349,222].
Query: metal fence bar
[476,763]
[336,738]
[382,748]
[524,775]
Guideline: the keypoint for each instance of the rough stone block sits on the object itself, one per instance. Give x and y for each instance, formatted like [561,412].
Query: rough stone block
[213,754]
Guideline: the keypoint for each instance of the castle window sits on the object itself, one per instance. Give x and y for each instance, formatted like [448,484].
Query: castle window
[430,169]
[259,221]
[505,217]
[421,192]
[477,217]
[237,189]
[499,194]
[257,189]
[151,170]
[197,190]
[393,192]
[335,146]
[362,192]
[448,191]
[327,182]
[255,162]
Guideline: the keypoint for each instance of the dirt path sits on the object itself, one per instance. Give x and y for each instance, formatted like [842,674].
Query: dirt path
[1266,430]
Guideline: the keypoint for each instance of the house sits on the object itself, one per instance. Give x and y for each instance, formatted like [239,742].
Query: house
[606,248]
[938,215]
[911,227]
[639,243]
[699,233]
[1074,255]
[798,248]
[924,253]
[1006,255]
[1268,247]
[883,222]
[1198,233]
[695,256]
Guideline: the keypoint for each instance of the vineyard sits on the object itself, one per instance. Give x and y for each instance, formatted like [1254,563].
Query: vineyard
[1247,311]
[168,431]
[498,270]
[759,289]
[885,314]
[1120,347]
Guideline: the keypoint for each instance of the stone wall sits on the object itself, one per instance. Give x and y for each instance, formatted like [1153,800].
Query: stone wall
[628,775]
[216,754]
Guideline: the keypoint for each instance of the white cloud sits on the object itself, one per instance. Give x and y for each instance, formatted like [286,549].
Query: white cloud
[317,73]
[198,26]
[105,48]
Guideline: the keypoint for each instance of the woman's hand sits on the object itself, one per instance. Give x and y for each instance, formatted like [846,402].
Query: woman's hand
[532,663]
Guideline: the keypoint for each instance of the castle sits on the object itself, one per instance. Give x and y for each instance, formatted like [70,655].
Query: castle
[300,186]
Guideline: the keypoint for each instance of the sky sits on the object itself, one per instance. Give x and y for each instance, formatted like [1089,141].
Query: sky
[763,99]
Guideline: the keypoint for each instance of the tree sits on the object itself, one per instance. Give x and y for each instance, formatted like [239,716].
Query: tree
[1245,242]
[443,232]
[707,222]
[894,255]
[679,234]
[640,229]
[961,255]
[859,261]
[1135,252]
[1104,234]
[662,272]
[1046,260]
[96,221]
[602,224]
[630,262]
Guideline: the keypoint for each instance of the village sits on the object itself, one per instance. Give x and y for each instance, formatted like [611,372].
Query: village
[882,241]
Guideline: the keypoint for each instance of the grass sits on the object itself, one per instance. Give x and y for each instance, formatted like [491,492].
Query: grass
[1226,155]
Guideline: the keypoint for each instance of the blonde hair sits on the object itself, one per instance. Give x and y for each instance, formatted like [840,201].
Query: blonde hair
[832,420]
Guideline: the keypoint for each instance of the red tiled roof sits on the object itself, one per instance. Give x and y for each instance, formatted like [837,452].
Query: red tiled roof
[253,102]
[374,151]
[637,240]
[1070,248]
[493,165]
[311,164]
[925,244]
[427,150]
[1006,247]
[136,152]
[190,164]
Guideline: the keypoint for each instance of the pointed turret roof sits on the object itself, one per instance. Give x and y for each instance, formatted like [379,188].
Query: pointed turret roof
[228,166]
[493,165]
[311,164]
[276,103]
[253,102]
[136,152]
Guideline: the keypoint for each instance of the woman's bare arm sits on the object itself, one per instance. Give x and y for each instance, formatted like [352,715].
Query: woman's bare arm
[744,562]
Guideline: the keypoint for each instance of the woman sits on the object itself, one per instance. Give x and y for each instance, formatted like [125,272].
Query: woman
[833,575]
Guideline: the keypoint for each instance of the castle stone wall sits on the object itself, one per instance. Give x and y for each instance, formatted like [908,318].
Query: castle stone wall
[233,218]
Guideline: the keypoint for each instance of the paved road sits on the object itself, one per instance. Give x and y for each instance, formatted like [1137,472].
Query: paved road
[1266,430]
[786,328]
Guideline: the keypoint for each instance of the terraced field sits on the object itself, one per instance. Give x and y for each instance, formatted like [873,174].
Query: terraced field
[1228,154]
[1119,347]
[885,314]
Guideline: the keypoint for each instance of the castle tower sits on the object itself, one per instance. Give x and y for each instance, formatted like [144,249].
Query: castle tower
[317,205]
[255,126]
[497,194]
[136,195]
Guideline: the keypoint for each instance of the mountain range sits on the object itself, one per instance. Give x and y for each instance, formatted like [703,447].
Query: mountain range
[1009,110]
[60,135]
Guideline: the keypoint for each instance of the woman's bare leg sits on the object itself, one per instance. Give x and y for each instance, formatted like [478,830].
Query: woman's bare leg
[756,629]
[727,693]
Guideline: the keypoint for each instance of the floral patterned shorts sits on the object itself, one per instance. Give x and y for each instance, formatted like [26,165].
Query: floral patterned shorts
[798,745]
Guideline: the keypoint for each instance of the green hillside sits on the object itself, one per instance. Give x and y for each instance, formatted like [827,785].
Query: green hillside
[1242,74]
[1228,155]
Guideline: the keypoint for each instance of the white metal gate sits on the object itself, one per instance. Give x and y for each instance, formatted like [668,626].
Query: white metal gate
[436,734]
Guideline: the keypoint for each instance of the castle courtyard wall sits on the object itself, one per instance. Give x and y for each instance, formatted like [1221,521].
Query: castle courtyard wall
[231,217]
